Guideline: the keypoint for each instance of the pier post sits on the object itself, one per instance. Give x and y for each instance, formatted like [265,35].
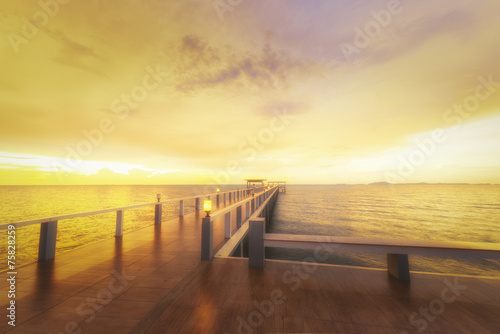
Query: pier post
[207,231]
[47,242]
[256,242]
[227,225]
[397,265]
[253,206]
[217,200]
[230,196]
[224,198]
[247,210]
[197,204]
[119,223]
[158,211]
[181,208]
[238,216]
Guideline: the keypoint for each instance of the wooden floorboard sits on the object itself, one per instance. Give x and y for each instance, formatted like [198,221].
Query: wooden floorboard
[152,281]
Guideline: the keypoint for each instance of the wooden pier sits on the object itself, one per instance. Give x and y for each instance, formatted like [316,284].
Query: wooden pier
[154,281]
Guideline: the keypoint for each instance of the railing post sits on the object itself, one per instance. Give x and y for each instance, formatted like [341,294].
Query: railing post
[247,210]
[238,216]
[181,208]
[253,206]
[227,225]
[158,211]
[47,242]
[207,231]
[197,204]
[119,223]
[230,196]
[224,198]
[256,242]
[217,200]
[397,265]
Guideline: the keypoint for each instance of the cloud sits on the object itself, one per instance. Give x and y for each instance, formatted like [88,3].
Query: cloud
[194,49]
[206,68]
[75,54]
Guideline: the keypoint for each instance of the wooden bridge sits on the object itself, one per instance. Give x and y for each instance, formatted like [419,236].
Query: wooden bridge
[178,276]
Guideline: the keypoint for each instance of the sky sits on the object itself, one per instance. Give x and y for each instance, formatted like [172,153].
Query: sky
[212,92]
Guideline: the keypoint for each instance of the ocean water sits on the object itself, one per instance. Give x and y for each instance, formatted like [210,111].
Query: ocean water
[18,203]
[412,212]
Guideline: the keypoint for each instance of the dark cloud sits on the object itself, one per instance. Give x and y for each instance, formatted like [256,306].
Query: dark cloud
[192,43]
[194,50]
[205,68]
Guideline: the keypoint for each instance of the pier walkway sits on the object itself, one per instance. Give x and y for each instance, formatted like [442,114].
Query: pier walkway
[153,281]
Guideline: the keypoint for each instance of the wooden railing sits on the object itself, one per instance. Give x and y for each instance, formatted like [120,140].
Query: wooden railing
[48,226]
[259,216]
[397,250]
[254,207]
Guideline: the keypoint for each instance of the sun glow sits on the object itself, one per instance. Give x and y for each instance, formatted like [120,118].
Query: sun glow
[213,103]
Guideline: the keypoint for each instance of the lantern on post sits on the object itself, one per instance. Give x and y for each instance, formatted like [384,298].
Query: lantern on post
[207,207]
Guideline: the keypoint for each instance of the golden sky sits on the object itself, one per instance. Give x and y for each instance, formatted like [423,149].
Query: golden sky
[202,91]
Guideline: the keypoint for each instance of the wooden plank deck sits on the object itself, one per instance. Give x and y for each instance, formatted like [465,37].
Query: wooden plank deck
[152,281]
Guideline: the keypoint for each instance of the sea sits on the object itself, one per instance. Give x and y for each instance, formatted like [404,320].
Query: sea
[439,212]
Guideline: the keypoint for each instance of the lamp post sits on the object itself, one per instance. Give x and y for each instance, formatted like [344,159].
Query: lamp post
[158,210]
[207,233]
[207,207]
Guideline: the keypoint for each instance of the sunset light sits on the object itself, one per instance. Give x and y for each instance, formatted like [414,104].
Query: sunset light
[310,92]
[250,166]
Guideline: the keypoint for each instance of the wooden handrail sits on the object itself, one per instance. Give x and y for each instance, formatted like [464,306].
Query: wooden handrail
[48,226]
[480,250]
[230,246]
[397,251]
[258,201]
[98,212]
